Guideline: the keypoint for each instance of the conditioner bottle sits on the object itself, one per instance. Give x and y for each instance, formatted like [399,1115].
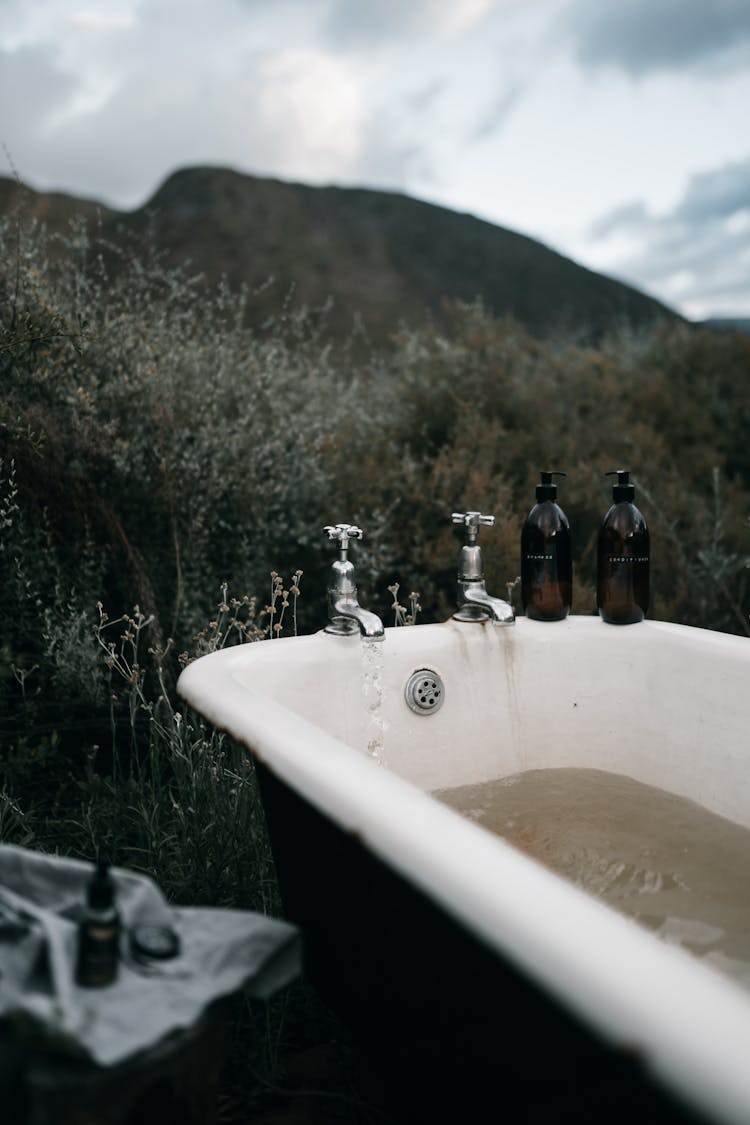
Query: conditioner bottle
[546,565]
[622,587]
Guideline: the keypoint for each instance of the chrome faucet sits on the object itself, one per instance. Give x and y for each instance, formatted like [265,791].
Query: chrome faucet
[345,612]
[474,603]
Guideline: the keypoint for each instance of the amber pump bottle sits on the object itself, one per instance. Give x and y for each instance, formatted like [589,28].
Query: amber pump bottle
[98,932]
[622,587]
[546,563]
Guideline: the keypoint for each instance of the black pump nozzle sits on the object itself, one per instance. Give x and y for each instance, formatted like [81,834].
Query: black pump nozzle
[623,490]
[546,489]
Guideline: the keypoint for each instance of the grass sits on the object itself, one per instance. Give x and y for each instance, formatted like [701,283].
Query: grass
[172,798]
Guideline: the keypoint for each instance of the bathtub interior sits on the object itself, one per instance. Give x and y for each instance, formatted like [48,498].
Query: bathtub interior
[663,704]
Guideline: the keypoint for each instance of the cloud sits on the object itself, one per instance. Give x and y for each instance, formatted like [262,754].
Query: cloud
[352,24]
[698,254]
[32,89]
[631,216]
[494,116]
[35,90]
[720,194]
[643,36]
[356,25]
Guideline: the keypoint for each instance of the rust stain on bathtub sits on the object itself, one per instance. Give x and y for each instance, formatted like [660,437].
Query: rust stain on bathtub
[507,649]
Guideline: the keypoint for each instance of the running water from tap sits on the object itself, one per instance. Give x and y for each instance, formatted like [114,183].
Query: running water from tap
[372,690]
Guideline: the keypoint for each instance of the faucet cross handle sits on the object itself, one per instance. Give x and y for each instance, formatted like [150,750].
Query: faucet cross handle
[472,521]
[343,532]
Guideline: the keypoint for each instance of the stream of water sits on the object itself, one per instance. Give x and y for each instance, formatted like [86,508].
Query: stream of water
[372,690]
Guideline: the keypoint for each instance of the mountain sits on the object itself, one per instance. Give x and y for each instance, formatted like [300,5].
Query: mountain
[728,324]
[381,258]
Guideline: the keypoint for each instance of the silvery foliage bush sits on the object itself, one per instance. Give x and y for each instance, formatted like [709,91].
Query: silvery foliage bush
[200,451]
[150,446]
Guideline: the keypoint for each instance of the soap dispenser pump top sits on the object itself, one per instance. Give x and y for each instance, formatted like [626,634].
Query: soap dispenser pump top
[546,560]
[623,490]
[547,489]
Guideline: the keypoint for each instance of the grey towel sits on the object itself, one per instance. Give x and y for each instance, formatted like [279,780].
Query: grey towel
[221,951]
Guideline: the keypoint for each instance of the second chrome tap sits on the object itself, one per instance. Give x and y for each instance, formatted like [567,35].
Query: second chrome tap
[474,603]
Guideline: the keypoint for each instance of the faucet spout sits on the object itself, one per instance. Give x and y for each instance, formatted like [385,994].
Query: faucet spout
[349,617]
[477,604]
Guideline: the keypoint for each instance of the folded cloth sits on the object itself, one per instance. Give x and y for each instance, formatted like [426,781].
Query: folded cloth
[220,952]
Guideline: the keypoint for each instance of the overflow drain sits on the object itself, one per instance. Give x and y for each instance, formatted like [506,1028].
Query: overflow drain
[424,692]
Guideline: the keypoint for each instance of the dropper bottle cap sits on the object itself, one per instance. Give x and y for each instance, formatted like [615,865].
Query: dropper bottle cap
[547,489]
[623,490]
[101,889]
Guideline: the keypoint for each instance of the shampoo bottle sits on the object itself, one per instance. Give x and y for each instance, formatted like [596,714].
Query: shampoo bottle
[98,932]
[622,587]
[546,564]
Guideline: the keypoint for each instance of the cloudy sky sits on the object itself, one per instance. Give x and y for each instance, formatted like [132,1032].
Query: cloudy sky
[615,131]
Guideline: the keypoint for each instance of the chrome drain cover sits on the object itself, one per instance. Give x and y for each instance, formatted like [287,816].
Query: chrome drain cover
[424,692]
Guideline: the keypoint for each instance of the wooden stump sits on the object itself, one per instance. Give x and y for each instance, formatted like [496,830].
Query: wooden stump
[175,1081]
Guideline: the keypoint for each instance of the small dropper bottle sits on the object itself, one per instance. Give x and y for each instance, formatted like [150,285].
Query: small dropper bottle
[98,932]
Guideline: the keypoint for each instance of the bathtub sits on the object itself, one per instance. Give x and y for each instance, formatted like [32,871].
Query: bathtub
[472,974]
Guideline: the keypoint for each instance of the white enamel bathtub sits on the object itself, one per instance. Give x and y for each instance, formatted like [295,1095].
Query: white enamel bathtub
[421,924]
